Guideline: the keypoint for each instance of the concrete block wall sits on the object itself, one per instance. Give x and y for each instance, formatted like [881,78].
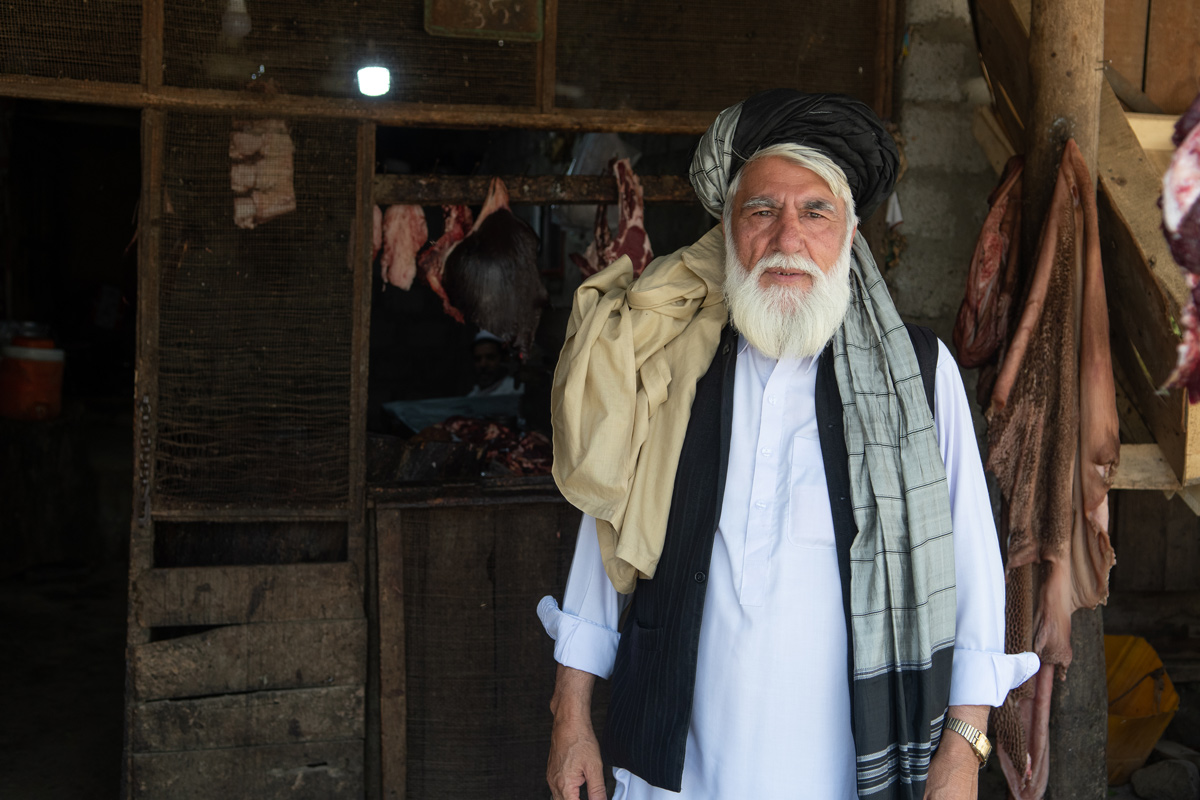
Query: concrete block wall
[943,195]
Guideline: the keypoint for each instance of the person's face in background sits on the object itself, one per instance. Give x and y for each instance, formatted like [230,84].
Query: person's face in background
[489,363]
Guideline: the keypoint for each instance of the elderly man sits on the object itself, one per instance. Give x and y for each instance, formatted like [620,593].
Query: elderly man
[783,497]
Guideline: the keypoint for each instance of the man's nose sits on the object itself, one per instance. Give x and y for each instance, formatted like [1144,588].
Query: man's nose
[789,234]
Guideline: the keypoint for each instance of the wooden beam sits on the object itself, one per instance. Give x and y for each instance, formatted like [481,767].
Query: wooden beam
[1144,467]
[245,720]
[152,44]
[429,190]
[1145,289]
[1154,132]
[214,513]
[232,595]
[393,114]
[1066,54]
[1004,47]
[393,699]
[309,771]
[145,426]
[358,255]
[989,133]
[548,57]
[244,658]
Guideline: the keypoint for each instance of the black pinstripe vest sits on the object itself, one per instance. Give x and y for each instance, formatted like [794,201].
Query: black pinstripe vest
[654,677]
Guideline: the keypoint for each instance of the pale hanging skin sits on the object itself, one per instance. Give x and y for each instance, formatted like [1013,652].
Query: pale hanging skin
[1053,445]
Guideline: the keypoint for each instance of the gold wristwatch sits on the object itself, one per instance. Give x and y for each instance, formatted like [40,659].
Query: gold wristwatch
[979,743]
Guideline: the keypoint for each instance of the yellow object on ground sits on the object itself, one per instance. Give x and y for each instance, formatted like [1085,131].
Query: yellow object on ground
[1141,702]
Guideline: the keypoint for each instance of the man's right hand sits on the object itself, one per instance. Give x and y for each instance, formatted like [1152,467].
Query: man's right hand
[574,751]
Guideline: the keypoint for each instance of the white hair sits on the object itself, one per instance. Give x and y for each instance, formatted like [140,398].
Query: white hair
[807,157]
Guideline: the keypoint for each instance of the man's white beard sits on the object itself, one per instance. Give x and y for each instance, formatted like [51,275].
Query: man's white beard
[787,321]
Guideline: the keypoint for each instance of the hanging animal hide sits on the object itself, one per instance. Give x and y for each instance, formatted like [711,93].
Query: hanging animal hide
[981,330]
[983,318]
[1053,445]
[492,275]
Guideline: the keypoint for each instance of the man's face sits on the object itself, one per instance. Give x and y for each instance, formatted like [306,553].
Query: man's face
[787,259]
[488,368]
[783,208]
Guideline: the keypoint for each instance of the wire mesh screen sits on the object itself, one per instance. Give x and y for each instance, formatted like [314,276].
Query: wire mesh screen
[480,668]
[98,40]
[317,48]
[255,312]
[659,55]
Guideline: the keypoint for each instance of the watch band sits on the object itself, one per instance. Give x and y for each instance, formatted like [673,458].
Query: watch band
[979,743]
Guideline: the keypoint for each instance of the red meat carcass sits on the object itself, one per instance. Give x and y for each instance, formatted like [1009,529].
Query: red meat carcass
[632,239]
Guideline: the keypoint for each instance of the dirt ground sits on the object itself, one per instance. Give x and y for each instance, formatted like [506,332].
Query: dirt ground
[62,675]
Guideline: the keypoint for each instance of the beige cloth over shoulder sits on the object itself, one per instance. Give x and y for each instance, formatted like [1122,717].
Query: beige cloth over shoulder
[623,392]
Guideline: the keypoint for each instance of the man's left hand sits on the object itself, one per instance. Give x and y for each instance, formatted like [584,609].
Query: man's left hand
[954,768]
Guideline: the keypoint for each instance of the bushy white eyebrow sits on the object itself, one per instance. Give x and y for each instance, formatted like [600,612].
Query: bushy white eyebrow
[764,201]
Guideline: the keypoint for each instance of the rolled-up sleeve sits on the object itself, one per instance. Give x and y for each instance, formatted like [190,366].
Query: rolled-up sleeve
[585,629]
[982,674]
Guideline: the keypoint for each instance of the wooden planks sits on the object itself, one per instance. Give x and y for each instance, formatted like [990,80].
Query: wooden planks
[1159,544]
[1172,77]
[1004,45]
[244,658]
[309,771]
[249,720]
[989,133]
[1144,288]
[1125,24]
[1154,132]
[466,670]
[225,595]
[1144,467]
[534,190]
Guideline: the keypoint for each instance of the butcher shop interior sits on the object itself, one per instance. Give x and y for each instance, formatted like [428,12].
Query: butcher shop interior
[284,287]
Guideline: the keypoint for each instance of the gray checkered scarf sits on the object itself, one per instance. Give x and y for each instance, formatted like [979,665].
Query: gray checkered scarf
[902,602]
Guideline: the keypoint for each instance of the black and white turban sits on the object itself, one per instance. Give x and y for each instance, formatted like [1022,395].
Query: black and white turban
[839,126]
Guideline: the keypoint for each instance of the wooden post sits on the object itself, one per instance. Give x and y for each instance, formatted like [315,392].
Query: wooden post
[1066,47]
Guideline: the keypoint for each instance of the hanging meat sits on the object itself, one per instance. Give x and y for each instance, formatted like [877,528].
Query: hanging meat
[376,231]
[983,318]
[1181,224]
[261,173]
[404,234]
[432,263]
[632,239]
[1053,446]
[491,276]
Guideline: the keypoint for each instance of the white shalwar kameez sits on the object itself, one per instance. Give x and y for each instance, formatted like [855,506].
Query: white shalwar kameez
[771,710]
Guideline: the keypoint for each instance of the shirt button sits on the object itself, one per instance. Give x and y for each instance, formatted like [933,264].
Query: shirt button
[766,451]
[771,399]
[760,504]
[699,577]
